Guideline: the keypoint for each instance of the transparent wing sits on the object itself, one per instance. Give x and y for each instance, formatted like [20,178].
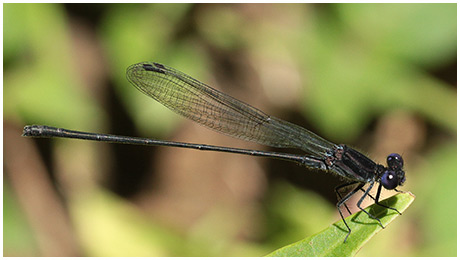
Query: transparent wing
[209,107]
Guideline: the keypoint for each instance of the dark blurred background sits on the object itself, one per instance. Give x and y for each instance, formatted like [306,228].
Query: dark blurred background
[379,77]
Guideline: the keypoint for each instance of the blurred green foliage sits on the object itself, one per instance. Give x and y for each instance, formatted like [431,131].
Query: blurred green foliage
[355,62]
[16,232]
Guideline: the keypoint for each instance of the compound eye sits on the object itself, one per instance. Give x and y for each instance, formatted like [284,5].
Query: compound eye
[389,180]
[395,161]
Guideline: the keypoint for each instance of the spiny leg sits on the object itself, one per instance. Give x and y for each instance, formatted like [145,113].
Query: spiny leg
[342,201]
[372,197]
[377,200]
[366,193]
[342,186]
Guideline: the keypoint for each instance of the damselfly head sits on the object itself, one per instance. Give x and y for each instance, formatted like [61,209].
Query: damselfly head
[394,176]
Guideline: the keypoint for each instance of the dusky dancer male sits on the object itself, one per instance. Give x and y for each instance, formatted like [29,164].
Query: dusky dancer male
[209,107]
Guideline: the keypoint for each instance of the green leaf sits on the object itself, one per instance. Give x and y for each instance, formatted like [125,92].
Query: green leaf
[330,242]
